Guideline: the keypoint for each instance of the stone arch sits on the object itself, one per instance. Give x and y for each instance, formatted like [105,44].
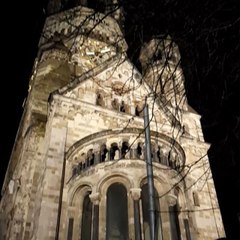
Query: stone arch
[75,208]
[103,187]
[117,221]
[112,178]
[162,180]
[77,191]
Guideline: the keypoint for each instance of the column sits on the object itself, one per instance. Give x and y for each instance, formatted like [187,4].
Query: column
[97,153]
[136,194]
[133,151]
[95,198]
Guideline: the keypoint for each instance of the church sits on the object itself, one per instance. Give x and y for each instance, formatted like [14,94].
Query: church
[79,166]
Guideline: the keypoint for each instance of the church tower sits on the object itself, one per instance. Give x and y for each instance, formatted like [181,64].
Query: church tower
[78,166]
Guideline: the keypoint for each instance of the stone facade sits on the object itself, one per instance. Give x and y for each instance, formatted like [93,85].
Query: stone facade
[81,139]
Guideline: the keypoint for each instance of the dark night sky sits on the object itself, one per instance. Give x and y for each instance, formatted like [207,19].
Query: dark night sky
[211,65]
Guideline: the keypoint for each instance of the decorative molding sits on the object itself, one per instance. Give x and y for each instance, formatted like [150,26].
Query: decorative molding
[135,193]
[95,198]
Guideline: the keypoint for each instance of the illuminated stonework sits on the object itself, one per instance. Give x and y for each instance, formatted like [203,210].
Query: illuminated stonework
[78,167]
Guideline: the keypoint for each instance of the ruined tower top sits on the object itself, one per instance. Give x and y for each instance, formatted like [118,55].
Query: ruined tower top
[109,7]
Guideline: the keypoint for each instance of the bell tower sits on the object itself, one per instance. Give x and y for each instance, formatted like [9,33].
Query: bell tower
[78,166]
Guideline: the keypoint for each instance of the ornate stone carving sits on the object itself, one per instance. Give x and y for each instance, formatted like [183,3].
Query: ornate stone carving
[95,198]
[135,193]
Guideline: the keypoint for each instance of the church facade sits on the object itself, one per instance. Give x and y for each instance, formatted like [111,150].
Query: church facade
[78,166]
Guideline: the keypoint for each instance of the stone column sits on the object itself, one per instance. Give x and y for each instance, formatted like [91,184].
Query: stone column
[95,199]
[120,149]
[154,155]
[136,194]
[97,154]
[108,146]
[133,151]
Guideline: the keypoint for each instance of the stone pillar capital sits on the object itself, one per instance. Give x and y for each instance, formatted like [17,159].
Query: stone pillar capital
[135,193]
[172,200]
[95,198]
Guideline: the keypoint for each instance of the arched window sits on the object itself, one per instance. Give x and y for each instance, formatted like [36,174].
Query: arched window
[103,153]
[117,213]
[139,150]
[86,226]
[122,107]
[114,151]
[99,100]
[139,111]
[145,214]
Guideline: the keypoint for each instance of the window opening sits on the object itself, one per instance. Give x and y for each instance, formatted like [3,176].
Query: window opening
[117,212]
[86,226]
[99,100]
[114,151]
[122,107]
[103,153]
[139,150]
[158,155]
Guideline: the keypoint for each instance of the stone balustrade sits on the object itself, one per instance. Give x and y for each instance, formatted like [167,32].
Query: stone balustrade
[125,147]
